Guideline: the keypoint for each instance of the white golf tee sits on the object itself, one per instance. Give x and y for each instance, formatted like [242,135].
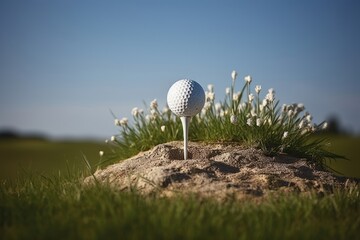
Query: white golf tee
[185,125]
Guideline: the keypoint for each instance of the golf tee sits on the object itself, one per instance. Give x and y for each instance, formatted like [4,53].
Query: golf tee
[185,124]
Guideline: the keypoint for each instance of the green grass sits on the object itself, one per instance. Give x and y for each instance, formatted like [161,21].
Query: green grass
[29,156]
[347,146]
[64,209]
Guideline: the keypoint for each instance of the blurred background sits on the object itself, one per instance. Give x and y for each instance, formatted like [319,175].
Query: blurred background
[65,64]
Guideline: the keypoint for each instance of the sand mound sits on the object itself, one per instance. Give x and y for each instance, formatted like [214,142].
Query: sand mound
[218,170]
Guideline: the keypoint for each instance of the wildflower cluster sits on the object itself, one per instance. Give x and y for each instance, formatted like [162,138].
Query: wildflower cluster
[243,116]
[149,127]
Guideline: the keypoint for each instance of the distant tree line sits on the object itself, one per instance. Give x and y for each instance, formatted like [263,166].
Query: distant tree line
[12,134]
[334,126]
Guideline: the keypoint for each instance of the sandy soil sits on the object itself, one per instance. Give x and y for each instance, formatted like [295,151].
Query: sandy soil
[218,170]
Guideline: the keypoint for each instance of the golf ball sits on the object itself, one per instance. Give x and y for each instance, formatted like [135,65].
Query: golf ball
[186,98]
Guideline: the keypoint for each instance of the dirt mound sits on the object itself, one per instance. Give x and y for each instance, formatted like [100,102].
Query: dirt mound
[216,170]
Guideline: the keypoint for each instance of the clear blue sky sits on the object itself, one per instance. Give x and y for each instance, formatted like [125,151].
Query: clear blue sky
[65,63]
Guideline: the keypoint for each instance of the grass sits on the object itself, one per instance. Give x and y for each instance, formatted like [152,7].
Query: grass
[29,156]
[347,146]
[65,209]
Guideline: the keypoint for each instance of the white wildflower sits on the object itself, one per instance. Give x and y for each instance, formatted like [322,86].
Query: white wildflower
[210,96]
[301,124]
[234,75]
[218,107]
[162,128]
[101,153]
[222,113]
[117,122]
[253,113]
[258,122]
[207,106]
[236,96]
[264,102]
[113,138]
[248,79]
[261,107]
[290,113]
[165,110]
[124,121]
[308,118]
[154,114]
[313,128]
[210,87]
[301,107]
[227,91]
[249,121]
[305,130]
[251,97]
[148,118]
[257,89]
[242,106]
[233,119]
[270,96]
[290,107]
[285,135]
[297,111]
[154,104]
[135,111]
[324,125]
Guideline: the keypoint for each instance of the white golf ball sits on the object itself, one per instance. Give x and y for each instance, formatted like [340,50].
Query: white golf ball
[186,98]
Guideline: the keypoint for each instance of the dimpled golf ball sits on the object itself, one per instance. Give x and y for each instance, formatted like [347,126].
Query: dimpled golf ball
[186,98]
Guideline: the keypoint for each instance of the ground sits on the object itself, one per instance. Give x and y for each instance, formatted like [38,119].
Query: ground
[218,170]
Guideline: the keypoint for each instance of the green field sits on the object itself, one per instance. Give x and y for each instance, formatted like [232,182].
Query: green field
[19,157]
[348,147]
[42,197]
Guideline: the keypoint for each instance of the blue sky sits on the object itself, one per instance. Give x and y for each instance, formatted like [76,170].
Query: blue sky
[64,64]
